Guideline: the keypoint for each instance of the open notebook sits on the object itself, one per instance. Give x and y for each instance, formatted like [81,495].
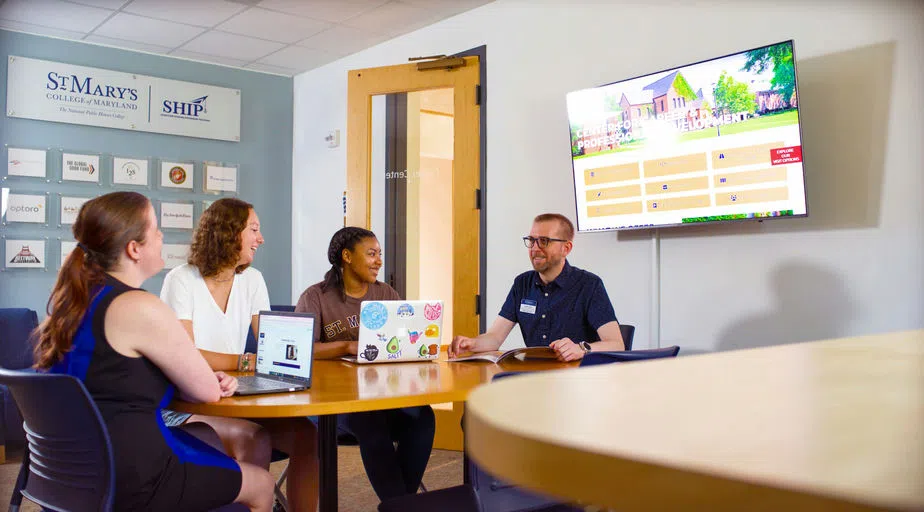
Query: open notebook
[499,356]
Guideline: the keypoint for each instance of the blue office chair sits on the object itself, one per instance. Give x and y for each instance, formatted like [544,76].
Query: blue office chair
[68,462]
[595,358]
[16,328]
[628,333]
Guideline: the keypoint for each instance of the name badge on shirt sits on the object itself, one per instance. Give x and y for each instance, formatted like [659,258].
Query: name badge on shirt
[528,306]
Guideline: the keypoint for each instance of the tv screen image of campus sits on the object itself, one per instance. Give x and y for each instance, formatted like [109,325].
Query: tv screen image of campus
[718,140]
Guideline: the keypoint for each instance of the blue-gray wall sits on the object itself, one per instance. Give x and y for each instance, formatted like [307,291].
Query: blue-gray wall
[264,156]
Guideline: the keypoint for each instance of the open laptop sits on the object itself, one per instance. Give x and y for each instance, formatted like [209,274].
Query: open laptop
[399,330]
[285,342]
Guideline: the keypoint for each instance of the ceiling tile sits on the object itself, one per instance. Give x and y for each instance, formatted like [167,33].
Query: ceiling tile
[233,46]
[147,30]
[299,58]
[105,4]
[272,25]
[343,40]
[333,11]
[202,13]
[393,18]
[208,58]
[54,14]
[44,31]
[128,45]
[256,66]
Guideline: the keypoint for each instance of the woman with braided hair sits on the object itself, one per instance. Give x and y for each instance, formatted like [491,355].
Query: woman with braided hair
[356,258]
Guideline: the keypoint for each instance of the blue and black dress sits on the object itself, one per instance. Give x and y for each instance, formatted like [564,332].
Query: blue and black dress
[156,467]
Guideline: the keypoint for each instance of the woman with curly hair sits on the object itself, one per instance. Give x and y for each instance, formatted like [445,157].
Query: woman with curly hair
[217,296]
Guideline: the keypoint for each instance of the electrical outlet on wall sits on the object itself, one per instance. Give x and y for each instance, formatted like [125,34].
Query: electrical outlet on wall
[333,138]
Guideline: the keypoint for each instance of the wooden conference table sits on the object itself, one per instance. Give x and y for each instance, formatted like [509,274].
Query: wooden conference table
[830,425]
[339,387]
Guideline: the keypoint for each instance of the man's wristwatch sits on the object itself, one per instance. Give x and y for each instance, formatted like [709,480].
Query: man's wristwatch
[584,345]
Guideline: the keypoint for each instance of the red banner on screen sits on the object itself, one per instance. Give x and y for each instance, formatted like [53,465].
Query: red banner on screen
[783,156]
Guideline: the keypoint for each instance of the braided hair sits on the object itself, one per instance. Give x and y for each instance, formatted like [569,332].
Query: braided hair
[344,239]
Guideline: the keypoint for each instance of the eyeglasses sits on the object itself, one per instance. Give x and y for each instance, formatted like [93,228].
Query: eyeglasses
[543,241]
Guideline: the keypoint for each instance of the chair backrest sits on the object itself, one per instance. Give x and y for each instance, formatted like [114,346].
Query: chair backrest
[628,333]
[281,307]
[71,466]
[16,326]
[594,358]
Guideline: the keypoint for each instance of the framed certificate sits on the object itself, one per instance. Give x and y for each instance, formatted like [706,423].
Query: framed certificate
[130,171]
[177,175]
[80,167]
[24,253]
[219,179]
[23,207]
[174,255]
[26,163]
[176,215]
[70,207]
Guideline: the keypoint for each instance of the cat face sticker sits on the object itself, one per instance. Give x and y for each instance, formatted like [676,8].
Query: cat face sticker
[433,311]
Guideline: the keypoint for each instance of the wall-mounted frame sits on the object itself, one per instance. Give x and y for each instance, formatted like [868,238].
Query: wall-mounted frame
[24,162]
[176,175]
[69,207]
[177,215]
[81,167]
[174,255]
[220,179]
[131,172]
[24,253]
[66,247]
[22,206]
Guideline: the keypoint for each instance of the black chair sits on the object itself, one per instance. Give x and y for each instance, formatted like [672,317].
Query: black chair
[628,333]
[68,463]
[16,328]
[460,498]
[595,358]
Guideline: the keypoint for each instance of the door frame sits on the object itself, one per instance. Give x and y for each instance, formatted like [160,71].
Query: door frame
[362,85]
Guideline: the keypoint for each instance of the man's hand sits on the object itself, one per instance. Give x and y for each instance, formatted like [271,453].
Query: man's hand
[567,350]
[460,345]
[352,348]
[227,383]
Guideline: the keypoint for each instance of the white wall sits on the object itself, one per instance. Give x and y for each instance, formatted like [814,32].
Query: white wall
[856,265]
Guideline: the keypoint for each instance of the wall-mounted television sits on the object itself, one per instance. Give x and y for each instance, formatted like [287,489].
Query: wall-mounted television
[714,141]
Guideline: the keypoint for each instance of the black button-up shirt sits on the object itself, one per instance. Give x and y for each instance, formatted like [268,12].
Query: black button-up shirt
[573,306]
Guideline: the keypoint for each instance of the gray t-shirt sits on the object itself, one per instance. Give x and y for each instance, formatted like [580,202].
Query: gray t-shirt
[338,314]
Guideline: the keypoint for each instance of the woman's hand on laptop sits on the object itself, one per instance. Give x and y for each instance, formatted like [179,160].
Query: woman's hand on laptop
[227,383]
[352,348]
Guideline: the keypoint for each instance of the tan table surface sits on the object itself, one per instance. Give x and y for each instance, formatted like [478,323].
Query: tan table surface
[836,424]
[340,387]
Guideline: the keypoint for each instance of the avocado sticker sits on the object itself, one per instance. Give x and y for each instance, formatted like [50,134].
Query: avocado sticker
[424,351]
[392,346]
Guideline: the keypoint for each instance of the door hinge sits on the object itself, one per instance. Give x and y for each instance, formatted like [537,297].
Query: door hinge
[478,94]
[478,304]
[477,198]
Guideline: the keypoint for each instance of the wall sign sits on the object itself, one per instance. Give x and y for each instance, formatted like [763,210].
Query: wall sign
[65,93]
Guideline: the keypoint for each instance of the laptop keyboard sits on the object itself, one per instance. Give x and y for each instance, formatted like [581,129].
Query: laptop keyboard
[254,382]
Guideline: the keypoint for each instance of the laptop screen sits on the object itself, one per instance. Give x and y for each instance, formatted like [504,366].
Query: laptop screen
[284,344]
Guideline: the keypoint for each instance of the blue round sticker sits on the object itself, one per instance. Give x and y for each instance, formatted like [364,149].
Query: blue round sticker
[374,315]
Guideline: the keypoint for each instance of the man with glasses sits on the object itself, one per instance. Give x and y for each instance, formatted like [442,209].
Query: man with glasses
[555,304]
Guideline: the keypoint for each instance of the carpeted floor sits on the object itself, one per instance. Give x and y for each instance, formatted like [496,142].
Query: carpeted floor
[355,493]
